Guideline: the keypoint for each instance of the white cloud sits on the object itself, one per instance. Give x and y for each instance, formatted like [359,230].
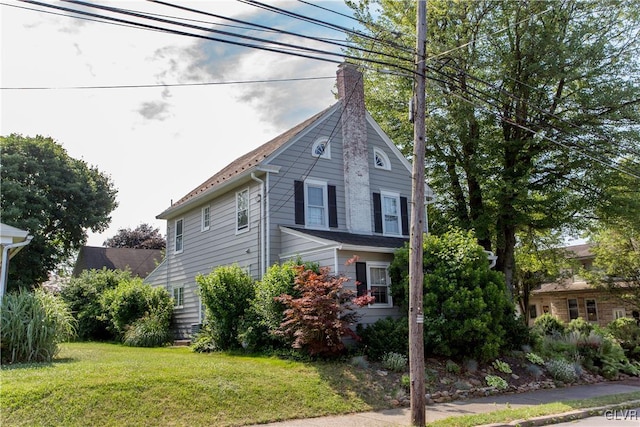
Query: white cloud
[156,143]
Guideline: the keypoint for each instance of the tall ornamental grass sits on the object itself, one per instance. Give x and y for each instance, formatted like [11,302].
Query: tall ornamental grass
[32,325]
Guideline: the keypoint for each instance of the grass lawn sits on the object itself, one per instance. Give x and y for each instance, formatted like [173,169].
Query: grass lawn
[108,384]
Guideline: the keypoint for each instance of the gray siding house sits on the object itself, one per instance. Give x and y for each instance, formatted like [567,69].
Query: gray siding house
[332,187]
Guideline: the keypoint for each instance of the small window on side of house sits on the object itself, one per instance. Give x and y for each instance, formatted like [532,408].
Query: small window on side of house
[572,304]
[206,218]
[242,210]
[379,283]
[380,159]
[619,313]
[321,148]
[178,236]
[391,219]
[178,296]
[533,312]
[592,310]
[316,204]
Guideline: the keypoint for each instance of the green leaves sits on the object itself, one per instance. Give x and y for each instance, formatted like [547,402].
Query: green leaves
[53,196]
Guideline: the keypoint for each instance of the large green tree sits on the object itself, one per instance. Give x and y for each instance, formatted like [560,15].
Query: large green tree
[53,196]
[143,236]
[530,105]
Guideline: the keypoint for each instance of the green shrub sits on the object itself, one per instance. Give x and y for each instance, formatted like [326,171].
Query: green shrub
[497,382]
[627,332]
[405,382]
[548,325]
[561,370]
[580,326]
[452,367]
[465,301]
[502,366]
[82,294]
[226,294]
[203,342]
[534,358]
[151,330]
[395,362]
[132,300]
[385,335]
[32,325]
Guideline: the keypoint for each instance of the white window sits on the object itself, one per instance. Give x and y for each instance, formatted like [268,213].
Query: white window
[380,159]
[391,214]
[179,235]
[321,148]
[315,200]
[242,210]
[178,296]
[378,283]
[206,218]
[619,313]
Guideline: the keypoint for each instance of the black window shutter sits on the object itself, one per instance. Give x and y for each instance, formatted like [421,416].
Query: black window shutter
[377,213]
[298,192]
[333,206]
[361,278]
[404,215]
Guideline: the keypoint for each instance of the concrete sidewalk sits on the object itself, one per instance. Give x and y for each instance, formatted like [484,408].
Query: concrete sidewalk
[402,416]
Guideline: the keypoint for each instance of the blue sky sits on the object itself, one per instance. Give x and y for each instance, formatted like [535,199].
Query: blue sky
[156,143]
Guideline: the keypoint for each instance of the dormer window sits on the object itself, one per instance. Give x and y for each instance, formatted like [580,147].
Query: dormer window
[321,148]
[380,159]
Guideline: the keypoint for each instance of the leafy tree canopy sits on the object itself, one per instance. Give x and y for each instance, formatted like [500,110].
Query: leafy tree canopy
[53,196]
[531,108]
[142,237]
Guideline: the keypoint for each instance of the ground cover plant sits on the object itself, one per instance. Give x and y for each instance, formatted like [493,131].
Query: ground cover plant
[109,384]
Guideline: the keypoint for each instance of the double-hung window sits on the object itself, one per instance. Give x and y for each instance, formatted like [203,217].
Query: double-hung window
[179,224]
[373,278]
[242,210]
[206,218]
[592,310]
[316,204]
[573,308]
[178,296]
[391,213]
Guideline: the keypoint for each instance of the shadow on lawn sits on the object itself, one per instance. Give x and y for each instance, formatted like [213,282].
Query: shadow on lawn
[38,365]
[365,383]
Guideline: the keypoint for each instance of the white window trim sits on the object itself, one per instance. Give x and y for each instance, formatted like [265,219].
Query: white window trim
[316,183]
[203,226]
[396,196]
[620,310]
[246,228]
[175,236]
[586,309]
[385,159]
[173,293]
[384,265]
[326,154]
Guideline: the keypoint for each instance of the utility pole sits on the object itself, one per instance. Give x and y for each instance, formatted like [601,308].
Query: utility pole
[416,275]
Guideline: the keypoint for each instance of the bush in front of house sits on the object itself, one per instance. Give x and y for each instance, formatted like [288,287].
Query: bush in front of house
[151,330]
[317,321]
[385,335]
[82,294]
[548,325]
[226,293]
[133,300]
[32,325]
[627,332]
[465,301]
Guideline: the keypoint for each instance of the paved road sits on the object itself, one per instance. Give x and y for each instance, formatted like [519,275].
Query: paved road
[613,418]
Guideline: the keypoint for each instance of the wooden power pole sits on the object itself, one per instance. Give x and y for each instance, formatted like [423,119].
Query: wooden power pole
[416,275]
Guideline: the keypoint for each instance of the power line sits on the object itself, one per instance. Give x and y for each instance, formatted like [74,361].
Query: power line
[234,82]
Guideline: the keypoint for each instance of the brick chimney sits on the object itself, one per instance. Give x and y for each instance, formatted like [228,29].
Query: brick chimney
[355,149]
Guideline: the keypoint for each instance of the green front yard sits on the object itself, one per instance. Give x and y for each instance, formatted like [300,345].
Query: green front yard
[107,384]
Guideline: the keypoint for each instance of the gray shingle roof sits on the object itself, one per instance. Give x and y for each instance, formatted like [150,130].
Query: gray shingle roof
[140,262]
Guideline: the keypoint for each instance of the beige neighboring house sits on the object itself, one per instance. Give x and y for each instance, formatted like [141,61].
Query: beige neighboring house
[12,240]
[573,297]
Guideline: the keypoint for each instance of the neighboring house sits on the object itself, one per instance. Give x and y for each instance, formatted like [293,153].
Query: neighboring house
[332,187]
[573,297]
[140,262]
[12,240]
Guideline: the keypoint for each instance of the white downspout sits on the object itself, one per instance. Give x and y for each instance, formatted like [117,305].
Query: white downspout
[262,225]
[5,262]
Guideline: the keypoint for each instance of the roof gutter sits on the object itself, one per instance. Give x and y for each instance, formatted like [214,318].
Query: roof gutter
[263,221]
[8,252]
